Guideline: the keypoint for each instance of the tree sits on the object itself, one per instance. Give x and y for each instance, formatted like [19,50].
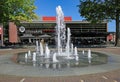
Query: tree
[101,10]
[17,10]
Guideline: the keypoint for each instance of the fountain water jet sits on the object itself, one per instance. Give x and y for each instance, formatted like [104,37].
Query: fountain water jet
[26,57]
[89,56]
[37,47]
[34,59]
[60,30]
[76,54]
[65,54]
[47,52]
[29,54]
[65,51]
[68,43]
[54,58]
[83,52]
[41,49]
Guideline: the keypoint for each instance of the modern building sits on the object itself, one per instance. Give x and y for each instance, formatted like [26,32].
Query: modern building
[82,32]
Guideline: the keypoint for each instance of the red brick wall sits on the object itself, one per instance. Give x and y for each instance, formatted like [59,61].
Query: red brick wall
[0,30]
[13,33]
[1,35]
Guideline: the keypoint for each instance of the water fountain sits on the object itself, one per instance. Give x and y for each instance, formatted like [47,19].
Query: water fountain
[65,53]
[65,50]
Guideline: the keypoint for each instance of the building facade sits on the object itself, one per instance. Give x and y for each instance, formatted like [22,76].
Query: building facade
[82,32]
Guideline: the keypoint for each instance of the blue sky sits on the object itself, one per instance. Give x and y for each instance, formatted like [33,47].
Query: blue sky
[48,8]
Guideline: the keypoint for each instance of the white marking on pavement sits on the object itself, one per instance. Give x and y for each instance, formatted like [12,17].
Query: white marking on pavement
[22,80]
[81,80]
[115,81]
[104,77]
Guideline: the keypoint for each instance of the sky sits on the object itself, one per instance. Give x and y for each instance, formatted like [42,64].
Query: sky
[69,7]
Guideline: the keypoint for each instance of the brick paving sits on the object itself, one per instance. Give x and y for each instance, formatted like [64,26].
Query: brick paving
[111,76]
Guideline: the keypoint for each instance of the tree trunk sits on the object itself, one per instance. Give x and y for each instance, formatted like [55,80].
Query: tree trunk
[117,30]
[117,26]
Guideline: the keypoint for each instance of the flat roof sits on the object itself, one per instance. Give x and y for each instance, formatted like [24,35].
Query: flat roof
[72,22]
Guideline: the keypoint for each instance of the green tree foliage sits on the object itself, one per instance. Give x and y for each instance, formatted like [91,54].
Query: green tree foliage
[17,10]
[101,10]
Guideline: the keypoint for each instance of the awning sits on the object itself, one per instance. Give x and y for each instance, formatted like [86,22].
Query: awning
[44,36]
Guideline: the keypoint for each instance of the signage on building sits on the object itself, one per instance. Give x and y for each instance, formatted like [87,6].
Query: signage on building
[22,29]
[53,18]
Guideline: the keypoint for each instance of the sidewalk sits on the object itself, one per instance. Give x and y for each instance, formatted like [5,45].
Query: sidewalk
[111,76]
